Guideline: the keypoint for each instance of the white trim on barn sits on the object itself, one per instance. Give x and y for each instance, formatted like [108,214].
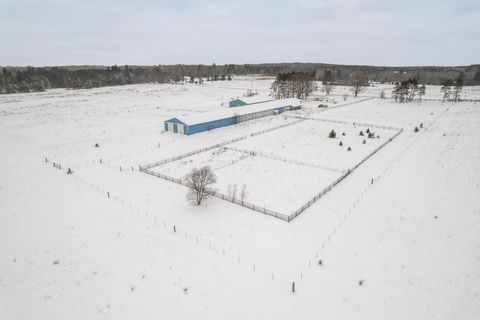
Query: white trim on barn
[199,122]
[198,118]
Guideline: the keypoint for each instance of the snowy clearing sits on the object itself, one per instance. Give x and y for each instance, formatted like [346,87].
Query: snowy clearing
[100,243]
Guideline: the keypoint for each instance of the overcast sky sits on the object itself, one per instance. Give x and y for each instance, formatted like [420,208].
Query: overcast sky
[147,32]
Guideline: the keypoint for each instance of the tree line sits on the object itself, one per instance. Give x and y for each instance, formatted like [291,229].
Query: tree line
[408,90]
[452,89]
[28,79]
[293,85]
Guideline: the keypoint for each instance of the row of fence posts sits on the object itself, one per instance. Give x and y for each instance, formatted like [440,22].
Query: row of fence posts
[343,176]
[264,210]
[174,227]
[370,184]
[219,195]
[218,145]
[293,284]
[354,123]
[225,197]
[270,156]
[276,127]
[146,168]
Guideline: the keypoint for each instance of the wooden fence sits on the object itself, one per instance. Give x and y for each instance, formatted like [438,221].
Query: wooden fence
[293,161]
[355,123]
[220,195]
[285,217]
[218,145]
[343,176]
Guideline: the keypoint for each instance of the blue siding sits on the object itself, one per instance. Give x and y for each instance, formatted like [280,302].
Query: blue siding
[210,125]
[196,128]
[236,103]
[174,120]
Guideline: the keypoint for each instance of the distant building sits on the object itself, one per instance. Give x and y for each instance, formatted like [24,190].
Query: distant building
[200,122]
[244,101]
[322,98]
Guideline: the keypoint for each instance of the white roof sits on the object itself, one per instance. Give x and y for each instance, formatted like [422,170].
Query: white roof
[197,118]
[254,99]
[321,96]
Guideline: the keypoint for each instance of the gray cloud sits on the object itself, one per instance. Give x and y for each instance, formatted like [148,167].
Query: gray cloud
[55,32]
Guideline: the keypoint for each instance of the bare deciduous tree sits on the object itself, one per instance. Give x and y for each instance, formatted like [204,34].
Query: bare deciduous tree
[197,181]
[327,82]
[243,194]
[358,81]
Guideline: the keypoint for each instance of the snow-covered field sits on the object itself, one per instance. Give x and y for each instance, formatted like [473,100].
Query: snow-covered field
[276,185]
[308,141]
[282,170]
[100,243]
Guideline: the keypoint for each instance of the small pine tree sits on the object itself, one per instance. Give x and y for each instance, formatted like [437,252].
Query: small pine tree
[371,135]
[361,133]
[349,149]
[332,134]
[343,133]
[340,144]
[421,125]
[368,130]
[416,129]
[364,141]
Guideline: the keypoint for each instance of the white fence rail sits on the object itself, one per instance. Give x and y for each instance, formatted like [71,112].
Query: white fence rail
[333,184]
[293,161]
[355,123]
[285,217]
[220,195]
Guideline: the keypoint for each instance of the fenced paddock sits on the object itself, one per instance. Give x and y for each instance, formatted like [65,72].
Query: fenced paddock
[272,164]
[308,142]
[274,184]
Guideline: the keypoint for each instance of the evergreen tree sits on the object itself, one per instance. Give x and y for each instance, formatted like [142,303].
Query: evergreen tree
[447,89]
[458,88]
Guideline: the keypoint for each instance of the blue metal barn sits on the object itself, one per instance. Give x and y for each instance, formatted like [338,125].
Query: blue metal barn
[245,101]
[226,117]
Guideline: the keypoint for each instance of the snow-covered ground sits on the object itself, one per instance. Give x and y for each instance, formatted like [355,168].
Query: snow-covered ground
[100,243]
[282,170]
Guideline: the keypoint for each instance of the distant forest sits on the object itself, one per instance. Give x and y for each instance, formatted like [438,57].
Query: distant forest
[30,79]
